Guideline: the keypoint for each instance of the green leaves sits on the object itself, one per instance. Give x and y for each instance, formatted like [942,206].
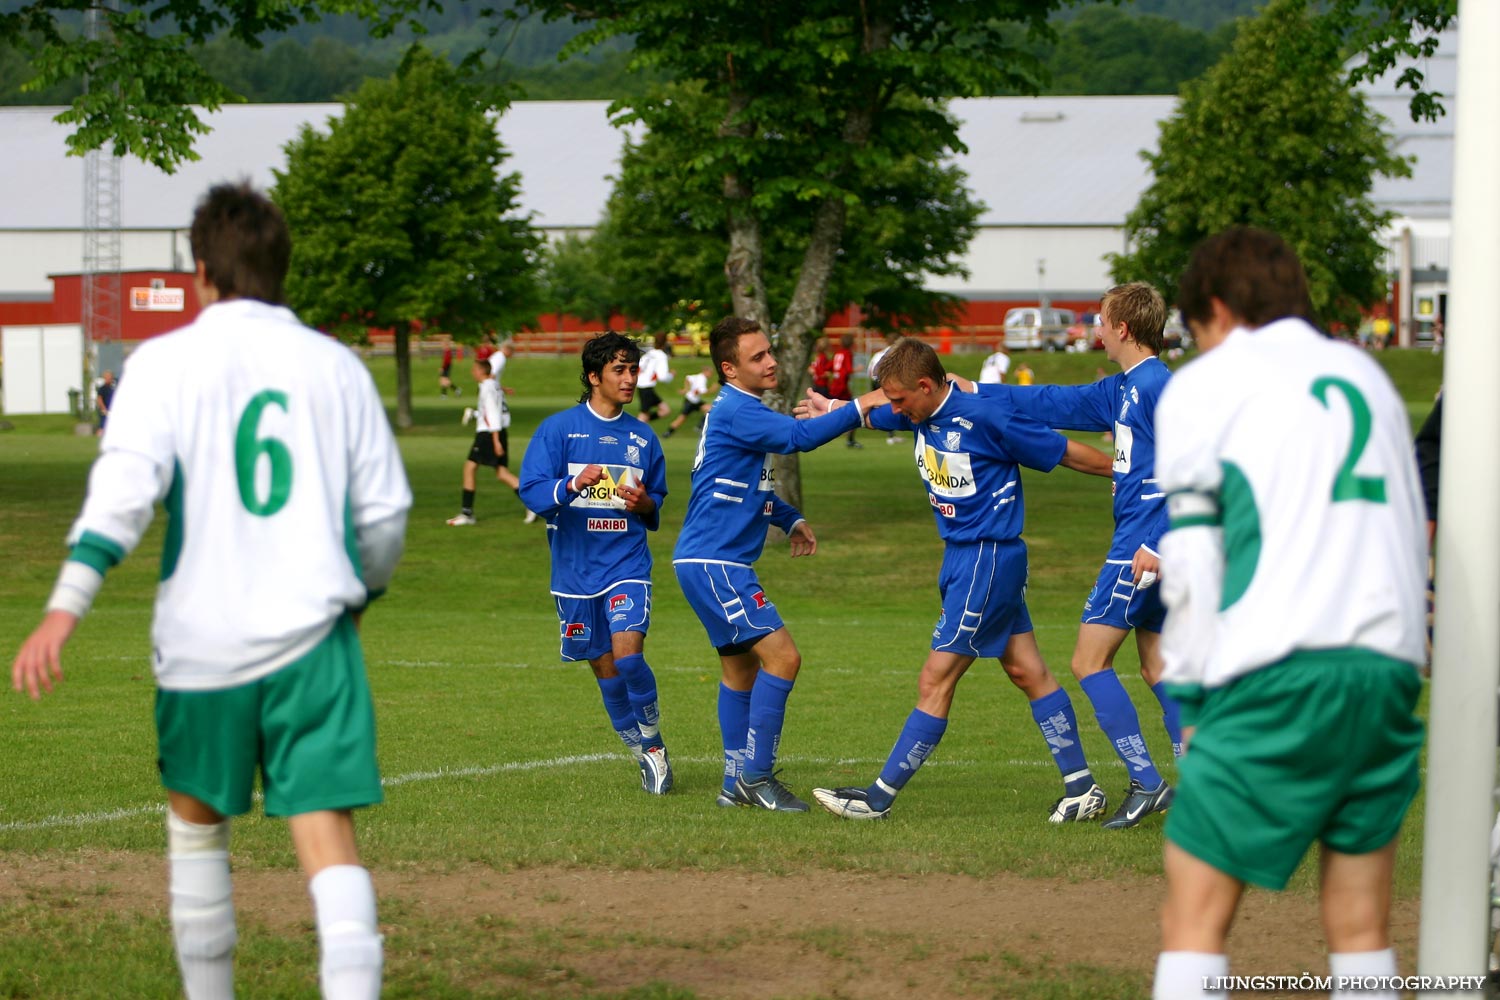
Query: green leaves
[1272,136]
[399,216]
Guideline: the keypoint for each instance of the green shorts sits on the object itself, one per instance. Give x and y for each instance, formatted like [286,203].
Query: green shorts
[309,728]
[1320,747]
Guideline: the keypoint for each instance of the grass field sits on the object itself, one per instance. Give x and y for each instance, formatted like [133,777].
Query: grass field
[499,760]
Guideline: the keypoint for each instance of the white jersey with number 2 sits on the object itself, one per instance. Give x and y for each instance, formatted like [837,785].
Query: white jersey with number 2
[269,449]
[1295,507]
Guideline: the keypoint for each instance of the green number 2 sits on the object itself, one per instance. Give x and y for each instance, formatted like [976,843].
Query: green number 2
[248,449]
[1346,485]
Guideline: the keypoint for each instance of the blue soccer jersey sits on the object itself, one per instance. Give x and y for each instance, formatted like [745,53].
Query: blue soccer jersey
[968,453]
[734,484]
[1124,404]
[595,542]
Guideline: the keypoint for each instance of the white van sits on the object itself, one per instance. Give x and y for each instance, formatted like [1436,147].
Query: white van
[1031,327]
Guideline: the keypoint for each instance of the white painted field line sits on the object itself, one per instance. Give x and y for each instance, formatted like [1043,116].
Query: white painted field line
[62,820]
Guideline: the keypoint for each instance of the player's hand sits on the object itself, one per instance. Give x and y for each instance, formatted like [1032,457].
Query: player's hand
[637,500]
[509,390]
[815,405]
[1146,566]
[39,663]
[590,475]
[804,543]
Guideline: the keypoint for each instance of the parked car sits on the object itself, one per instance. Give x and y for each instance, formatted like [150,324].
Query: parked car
[1032,328]
[1084,335]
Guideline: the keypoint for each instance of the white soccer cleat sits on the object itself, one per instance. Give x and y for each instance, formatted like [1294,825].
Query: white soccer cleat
[1077,808]
[468,415]
[656,770]
[849,803]
[460,520]
[530,517]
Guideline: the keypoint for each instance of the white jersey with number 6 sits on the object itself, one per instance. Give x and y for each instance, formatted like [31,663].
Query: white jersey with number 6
[1295,508]
[267,444]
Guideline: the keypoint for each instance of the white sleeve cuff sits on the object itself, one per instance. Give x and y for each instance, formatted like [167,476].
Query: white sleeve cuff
[77,585]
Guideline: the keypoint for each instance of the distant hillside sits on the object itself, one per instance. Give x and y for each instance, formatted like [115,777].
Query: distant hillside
[1137,47]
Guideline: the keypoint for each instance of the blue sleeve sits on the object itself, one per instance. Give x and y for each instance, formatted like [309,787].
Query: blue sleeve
[656,483]
[1071,407]
[883,418]
[763,429]
[1030,443]
[783,514]
[544,476]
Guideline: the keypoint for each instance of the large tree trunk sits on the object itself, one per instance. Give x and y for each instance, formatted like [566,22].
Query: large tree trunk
[743,264]
[403,376]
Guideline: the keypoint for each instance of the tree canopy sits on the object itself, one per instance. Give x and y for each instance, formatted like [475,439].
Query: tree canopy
[1272,136]
[402,219]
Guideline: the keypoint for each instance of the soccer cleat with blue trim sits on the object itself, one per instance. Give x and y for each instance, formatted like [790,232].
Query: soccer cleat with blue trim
[1077,808]
[767,793]
[656,770]
[849,803]
[1140,803]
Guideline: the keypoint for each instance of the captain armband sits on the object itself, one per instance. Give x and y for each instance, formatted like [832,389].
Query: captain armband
[77,585]
[1192,509]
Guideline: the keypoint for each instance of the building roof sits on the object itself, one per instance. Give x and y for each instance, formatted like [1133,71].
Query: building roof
[1048,161]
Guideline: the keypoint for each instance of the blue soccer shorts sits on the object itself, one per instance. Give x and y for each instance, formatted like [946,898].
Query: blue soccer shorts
[1117,601]
[586,625]
[983,588]
[729,601]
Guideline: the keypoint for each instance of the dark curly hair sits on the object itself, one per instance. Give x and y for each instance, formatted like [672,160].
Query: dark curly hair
[600,351]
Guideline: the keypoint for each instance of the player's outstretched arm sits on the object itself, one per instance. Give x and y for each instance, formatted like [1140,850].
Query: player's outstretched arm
[1089,460]
[39,663]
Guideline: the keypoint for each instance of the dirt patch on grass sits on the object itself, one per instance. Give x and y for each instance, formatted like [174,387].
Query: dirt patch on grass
[565,931]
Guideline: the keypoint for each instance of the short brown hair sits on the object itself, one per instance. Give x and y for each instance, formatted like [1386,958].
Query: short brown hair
[241,239]
[1141,308]
[1252,271]
[724,341]
[907,360]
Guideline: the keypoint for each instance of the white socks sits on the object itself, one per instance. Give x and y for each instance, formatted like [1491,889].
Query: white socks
[1360,965]
[1180,975]
[344,899]
[202,908]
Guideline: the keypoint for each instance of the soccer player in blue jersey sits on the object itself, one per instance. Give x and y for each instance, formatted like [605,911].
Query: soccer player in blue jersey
[968,453]
[723,534]
[1125,596]
[596,474]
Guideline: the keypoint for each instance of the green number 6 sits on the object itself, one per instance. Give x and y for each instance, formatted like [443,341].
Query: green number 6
[248,449]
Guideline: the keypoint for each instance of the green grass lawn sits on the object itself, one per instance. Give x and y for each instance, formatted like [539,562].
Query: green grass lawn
[495,753]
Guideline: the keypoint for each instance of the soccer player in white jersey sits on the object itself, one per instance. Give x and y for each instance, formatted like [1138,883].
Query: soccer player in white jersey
[491,447]
[656,368]
[694,390]
[1293,575]
[267,444]
[598,477]
[992,371]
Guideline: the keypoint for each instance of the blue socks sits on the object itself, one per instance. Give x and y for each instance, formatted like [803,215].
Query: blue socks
[919,737]
[1118,719]
[641,683]
[734,725]
[1171,716]
[767,713]
[1059,725]
[621,715]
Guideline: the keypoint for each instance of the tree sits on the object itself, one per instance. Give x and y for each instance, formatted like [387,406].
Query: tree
[145,85]
[810,99]
[399,216]
[1105,50]
[1272,136]
[663,236]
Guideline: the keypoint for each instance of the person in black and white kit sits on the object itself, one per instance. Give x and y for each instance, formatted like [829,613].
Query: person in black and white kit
[655,368]
[491,446]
